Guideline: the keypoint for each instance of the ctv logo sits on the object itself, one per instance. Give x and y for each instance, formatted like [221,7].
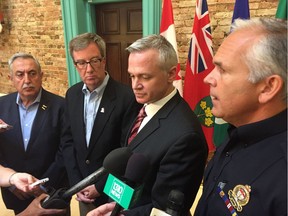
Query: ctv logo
[117,189]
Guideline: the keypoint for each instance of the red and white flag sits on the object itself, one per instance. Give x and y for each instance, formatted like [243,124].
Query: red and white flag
[199,64]
[167,29]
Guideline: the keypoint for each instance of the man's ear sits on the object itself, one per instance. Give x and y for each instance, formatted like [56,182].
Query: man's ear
[10,78]
[271,87]
[172,74]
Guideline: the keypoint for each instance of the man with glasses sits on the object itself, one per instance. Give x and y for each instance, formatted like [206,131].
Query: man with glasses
[96,116]
[30,140]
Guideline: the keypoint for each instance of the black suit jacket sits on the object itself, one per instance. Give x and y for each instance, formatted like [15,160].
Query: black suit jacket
[175,145]
[109,130]
[42,158]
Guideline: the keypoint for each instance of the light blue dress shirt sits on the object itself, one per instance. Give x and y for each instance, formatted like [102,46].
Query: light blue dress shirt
[91,104]
[27,116]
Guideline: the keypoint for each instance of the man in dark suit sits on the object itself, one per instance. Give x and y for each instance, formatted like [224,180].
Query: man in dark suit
[170,135]
[33,144]
[97,117]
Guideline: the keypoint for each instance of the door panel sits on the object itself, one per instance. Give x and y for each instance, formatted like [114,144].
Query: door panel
[120,24]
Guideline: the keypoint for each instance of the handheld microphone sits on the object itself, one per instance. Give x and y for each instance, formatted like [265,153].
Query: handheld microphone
[115,162]
[158,212]
[127,193]
[174,205]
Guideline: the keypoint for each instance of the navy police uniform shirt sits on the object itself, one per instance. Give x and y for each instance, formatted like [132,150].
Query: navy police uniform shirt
[248,174]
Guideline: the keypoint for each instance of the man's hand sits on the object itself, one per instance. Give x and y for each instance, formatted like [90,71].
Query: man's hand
[103,210]
[4,126]
[35,208]
[19,193]
[22,182]
[88,194]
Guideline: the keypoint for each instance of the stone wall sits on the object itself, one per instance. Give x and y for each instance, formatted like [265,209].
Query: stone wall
[35,26]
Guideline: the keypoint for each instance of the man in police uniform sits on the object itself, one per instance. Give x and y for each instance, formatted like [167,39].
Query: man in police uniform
[248,87]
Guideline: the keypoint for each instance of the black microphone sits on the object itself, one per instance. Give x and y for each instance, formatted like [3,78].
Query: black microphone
[127,192]
[115,162]
[174,205]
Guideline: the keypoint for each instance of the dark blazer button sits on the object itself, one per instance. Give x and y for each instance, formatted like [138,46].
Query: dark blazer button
[87,161]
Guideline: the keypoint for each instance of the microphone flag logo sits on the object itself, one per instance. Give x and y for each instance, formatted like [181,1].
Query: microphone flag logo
[120,192]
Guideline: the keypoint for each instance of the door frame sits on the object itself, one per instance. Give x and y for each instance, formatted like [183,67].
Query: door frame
[79,17]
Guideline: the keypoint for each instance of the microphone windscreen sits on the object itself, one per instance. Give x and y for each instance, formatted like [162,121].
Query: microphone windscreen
[116,161]
[175,200]
[137,168]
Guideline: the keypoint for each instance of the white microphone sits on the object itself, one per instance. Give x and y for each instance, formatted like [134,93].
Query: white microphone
[158,212]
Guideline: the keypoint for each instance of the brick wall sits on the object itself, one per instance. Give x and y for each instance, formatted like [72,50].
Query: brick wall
[36,27]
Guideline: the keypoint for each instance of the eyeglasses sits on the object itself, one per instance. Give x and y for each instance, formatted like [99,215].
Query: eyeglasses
[31,75]
[82,65]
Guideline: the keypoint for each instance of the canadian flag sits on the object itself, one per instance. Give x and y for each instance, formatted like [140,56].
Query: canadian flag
[167,29]
[1,21]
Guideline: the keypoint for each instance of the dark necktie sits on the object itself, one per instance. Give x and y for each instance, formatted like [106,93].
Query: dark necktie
[142,114]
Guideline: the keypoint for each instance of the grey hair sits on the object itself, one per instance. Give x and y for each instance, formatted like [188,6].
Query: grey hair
[268,56]
[167,53]
[83,40]
[23,56]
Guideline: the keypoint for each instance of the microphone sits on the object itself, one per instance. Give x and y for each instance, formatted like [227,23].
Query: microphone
[126,193]
[174,205]
[158,212]
[115,162]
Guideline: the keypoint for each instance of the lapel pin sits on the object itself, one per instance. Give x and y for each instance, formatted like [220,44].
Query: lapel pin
[102,110]
[44,107]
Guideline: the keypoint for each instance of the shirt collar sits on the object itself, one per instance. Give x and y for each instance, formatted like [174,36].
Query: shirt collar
[37,99]
[152,108]
[99,89]
[254,132]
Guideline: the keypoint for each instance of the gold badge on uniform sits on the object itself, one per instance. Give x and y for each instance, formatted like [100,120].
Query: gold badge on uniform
[239,196]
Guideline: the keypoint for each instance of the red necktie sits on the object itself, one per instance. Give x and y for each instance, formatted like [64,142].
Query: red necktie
[142,114]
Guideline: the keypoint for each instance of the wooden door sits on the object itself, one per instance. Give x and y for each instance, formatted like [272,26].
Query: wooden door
[120,24]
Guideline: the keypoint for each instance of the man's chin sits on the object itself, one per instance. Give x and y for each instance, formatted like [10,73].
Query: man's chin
[29,94]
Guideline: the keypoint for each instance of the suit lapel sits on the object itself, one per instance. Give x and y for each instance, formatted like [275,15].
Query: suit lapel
[106,107]
[78,107]
[41,115]
[14,120]
[153,125]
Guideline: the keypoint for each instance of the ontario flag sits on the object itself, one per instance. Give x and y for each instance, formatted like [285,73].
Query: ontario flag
[167,30]
[199,65]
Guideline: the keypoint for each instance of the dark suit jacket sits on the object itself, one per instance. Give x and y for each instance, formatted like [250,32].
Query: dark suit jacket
[110,128]
[175,145]
[39,158]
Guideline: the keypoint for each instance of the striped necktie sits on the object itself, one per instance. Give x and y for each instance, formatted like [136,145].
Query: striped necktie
[142,114]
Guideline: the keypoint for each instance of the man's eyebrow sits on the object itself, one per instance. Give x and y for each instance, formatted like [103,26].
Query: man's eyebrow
[19,71]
